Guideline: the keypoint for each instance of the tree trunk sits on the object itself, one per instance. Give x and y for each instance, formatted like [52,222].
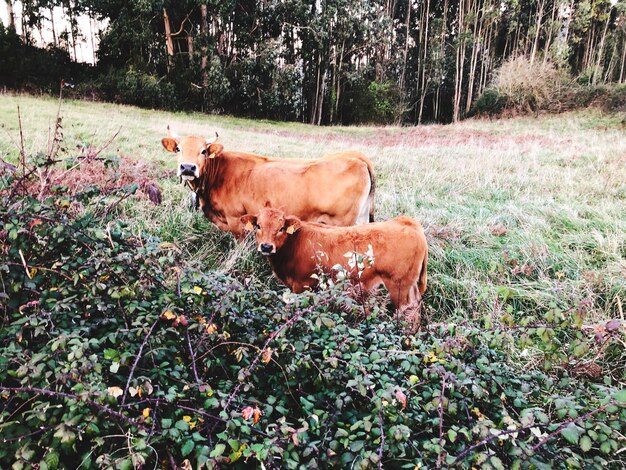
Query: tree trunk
[338,92]
[546,48]
[11,14]
[459,65]
[406,46]
[72,35]
[598,68]
[476,43]
[622,77]
[317,88]
[54,30]
[537,31]
[168,40]
[93,38]
[423,87]
[204,59]
[442,50]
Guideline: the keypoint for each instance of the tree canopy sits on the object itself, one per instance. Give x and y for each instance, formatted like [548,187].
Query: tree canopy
[334,61]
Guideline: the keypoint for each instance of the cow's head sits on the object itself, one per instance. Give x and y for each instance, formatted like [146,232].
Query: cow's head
[191,152]
[271,228]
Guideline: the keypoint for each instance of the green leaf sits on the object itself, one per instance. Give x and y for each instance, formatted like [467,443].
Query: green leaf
[126,465]
[571,433]
[585,443]
[234,444]
[52,460]
[182,425]
[451,435]
[218,450]
[620,396]
[187,447]
[356,446]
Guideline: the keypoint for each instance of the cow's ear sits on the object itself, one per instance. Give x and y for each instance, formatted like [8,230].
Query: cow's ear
[248,222]
[215,150]
[170,144]
[292,224]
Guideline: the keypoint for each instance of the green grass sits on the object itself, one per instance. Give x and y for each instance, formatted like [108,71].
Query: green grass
[520,213]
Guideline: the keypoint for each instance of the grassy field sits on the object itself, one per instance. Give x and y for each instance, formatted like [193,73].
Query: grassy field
[520,214]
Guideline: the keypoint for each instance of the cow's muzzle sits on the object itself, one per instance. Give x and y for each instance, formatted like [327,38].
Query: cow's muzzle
[188,170]
[267,248]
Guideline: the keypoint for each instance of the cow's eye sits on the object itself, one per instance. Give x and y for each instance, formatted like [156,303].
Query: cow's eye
[257,226]
[203,152]
[177,149]
[282,229]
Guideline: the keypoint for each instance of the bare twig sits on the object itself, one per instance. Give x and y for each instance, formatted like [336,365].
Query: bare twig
[24,264]
[132,370]
[22,151]
[382,438]
[441,397]
[41,268]
[193,357]
[38,431]
[107,143]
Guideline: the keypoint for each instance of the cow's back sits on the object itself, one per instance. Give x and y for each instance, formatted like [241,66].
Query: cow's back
[330,190]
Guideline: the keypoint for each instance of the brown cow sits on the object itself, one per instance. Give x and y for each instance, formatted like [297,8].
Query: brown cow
[393,253]
[337,189]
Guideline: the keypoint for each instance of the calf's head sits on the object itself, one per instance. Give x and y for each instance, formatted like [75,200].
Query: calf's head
[271,227]
[191,153]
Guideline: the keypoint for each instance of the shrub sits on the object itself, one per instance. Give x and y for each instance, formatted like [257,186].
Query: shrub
[490,103]
[371,102]
[218,90]
[617,98]
[25,67]
[138,88]
[525,87]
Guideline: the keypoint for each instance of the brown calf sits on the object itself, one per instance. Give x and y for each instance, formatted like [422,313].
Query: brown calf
[395,252]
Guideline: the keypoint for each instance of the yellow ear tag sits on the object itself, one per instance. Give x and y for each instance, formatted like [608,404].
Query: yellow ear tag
[212,155]
[290,229]
[249,226]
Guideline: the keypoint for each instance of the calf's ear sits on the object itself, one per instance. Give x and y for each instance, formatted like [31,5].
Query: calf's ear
[292,224]
[215,150]
[169,143]
[248,222]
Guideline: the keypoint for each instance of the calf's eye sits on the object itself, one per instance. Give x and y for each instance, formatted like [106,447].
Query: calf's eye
[203,152]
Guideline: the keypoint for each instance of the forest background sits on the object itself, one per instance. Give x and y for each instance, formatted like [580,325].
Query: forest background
[326,62]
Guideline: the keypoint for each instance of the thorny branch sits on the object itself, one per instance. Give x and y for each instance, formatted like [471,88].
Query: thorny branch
[560,427]
[69,396]
[296,316]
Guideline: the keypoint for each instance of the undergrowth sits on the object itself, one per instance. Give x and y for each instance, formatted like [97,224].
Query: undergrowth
[117,353]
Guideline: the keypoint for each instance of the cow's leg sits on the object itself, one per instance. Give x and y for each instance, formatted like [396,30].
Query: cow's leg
[193,201]
[365,207]
[233,225]
[408,301]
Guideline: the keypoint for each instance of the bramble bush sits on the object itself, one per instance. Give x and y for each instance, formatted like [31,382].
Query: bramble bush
[115,352]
